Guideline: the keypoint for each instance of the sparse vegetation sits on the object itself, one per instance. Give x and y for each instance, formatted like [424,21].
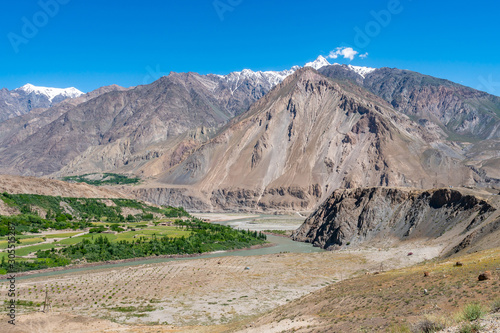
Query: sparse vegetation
[97,179]
[470,328]
[89,209]
[427,326]
[495,306]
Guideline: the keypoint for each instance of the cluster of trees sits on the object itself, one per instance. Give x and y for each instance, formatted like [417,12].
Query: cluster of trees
[34,223]
[51,259]
[205,237]
[90,209]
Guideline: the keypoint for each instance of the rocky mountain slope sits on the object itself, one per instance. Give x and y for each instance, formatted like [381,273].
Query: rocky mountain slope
[377,216]
[22,100]
[194,100]
[115,140]
[465,114]
[307,137]
[17,129]
[130,120]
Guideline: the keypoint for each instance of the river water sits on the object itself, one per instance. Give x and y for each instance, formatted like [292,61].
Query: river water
[260,222]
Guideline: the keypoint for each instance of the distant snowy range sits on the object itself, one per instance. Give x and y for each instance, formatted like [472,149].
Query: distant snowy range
[22,100]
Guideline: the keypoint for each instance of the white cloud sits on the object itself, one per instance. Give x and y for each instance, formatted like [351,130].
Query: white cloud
[364,55]
[346,52]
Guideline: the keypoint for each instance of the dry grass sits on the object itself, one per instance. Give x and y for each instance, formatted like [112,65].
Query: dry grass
[221,293]
[399,300]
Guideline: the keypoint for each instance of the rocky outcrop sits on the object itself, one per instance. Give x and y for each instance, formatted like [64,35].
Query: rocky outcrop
[380,215]
[176,197]
[462,113]
[282,199]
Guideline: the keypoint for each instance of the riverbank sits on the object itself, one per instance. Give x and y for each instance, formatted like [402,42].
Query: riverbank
[129,260]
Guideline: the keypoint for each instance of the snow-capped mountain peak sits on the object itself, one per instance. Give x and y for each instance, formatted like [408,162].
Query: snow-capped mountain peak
[318,63]
[362,71]
[51,93]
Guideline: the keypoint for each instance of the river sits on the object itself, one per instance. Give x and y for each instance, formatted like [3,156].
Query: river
[257,222]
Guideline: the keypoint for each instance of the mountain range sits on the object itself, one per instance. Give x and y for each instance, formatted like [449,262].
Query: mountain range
[265,140]
[29,97]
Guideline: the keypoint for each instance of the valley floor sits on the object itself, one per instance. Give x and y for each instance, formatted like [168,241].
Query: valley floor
[192,294]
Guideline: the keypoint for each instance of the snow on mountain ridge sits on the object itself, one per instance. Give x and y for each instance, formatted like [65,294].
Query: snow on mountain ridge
[49,92]
[273,78]
[362,71]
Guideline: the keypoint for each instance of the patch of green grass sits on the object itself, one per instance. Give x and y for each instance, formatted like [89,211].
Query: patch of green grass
[472,312]
[76,240]
[148,233]
[27,250]
[62,235]
[25,241]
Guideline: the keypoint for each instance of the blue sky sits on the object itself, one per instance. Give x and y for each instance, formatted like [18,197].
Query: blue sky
[88,44]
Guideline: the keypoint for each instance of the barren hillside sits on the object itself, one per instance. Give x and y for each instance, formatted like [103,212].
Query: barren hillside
[44,186]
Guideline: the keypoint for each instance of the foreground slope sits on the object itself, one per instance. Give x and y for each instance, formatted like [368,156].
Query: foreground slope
[307,137]
[394,301]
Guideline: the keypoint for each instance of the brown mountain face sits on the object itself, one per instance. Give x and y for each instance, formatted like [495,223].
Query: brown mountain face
[307,137]
[17,129]
[460,218]
[125,123]
[466,115]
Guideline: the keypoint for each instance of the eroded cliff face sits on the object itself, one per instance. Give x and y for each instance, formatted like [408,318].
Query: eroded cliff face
[389,215]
